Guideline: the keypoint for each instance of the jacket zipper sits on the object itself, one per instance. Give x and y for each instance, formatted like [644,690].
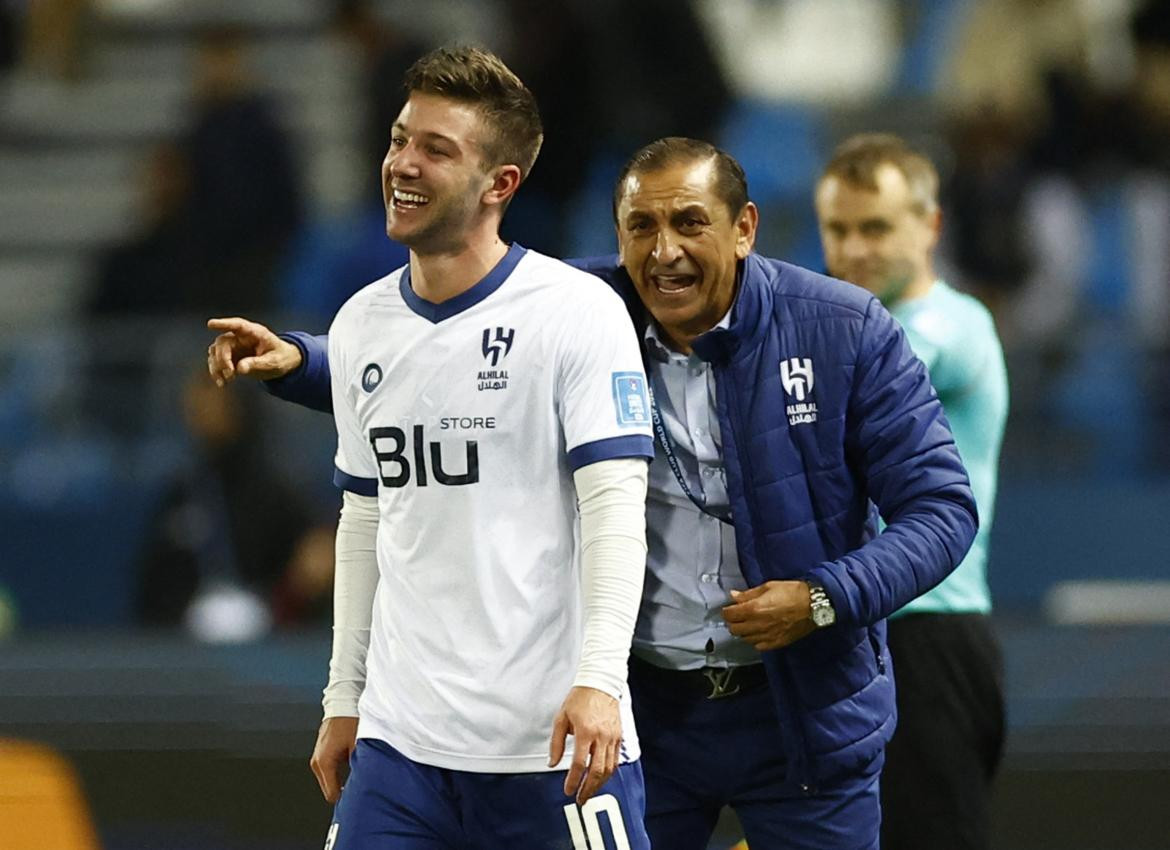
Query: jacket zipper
[803,778]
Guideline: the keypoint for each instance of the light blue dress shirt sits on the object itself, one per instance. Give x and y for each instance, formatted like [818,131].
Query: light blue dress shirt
[691,562]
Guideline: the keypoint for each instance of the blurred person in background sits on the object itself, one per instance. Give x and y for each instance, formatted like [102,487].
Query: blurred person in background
[55,38]
[333,256]
[245,198]
[11,22]
[386,52]
[543,37]
[641,101]
[878,211]
[303,595]
[157,270]
[759,667]
[228,521]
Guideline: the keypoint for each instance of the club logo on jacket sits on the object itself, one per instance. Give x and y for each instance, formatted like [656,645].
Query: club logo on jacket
[797,376]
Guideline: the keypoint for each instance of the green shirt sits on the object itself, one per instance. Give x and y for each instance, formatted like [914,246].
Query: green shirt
[953,334]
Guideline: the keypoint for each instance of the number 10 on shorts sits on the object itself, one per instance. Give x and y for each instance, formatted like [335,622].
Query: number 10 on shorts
[586,821]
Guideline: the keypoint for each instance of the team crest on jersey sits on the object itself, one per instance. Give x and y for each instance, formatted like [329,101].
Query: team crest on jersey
[371,377]
[796,374]
[497,342]
[629,399]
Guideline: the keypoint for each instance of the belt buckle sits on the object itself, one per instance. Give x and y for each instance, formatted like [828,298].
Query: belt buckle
[721,679]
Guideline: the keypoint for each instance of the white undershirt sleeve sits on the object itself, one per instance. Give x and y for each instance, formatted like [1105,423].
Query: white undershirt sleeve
[354,582]
[612,501]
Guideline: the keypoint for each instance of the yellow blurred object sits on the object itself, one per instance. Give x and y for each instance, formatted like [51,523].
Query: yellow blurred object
[741,846]
[41,803]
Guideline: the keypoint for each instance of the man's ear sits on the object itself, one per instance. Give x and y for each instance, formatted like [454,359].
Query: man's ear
[745,225]
[934,221]
[505,182]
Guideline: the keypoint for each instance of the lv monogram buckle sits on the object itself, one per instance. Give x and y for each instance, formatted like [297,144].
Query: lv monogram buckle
[721,679]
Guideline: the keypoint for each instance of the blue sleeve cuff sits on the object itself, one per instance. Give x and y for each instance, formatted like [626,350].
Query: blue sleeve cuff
[361,486]
[633,445]
[308,384]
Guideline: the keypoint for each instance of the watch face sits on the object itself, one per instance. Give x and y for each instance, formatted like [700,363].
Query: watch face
[823,616]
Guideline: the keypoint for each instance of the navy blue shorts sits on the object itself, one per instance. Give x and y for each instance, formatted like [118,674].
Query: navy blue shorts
[700,755]
[390,803]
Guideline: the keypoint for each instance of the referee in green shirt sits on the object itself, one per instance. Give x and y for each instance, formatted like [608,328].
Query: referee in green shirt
[877,208]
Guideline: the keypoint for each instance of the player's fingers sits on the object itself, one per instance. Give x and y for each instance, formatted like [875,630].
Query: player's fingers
[335,779]
[213,370]
[319,773]
[578,767]
[237,325]
[615,752]
[219,357]
[266,363]
[596,775]
[556,742]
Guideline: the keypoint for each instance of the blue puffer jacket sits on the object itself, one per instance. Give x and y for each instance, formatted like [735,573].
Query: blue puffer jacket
[858,425]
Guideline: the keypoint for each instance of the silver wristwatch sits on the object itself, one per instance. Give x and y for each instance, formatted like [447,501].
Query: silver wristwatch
[823,613]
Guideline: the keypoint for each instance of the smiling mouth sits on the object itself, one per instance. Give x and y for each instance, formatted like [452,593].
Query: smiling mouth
[409,200]
[672,284]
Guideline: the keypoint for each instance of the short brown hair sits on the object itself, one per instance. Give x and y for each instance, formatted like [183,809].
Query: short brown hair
[857,159]
[475,76]
[730,181]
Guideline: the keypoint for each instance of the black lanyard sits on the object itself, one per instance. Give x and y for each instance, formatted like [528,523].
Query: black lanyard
[667,446]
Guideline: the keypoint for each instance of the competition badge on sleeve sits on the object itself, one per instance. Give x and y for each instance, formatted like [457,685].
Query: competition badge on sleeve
[629,397]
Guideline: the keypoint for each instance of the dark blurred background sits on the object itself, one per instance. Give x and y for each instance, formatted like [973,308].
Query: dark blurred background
[166,548]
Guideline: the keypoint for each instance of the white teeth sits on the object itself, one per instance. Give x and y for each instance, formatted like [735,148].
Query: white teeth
[672,284]
[409,197]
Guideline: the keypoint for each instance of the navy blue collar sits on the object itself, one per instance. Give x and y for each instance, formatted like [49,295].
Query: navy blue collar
[719,344]
[492,281]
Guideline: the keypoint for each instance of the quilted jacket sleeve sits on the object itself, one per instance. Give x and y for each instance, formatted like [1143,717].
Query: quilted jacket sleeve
[900,446]
[308,385]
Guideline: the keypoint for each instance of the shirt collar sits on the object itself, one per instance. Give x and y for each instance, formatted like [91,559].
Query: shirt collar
[663,353]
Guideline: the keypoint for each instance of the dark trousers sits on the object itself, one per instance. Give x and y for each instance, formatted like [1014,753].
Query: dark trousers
[936,785]
[701,754]
[392,803]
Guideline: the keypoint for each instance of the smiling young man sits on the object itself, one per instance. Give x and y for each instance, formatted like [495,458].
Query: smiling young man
[786,404]
[877,205]
[491,410]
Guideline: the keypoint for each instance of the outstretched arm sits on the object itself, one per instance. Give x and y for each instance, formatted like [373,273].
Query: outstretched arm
[294,366]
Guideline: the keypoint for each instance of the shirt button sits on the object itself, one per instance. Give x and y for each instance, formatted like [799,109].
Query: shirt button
[707,578]
[708,471]
[699,432]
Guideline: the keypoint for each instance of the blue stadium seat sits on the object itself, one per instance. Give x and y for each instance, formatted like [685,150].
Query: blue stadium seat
[928,45]
[778,145]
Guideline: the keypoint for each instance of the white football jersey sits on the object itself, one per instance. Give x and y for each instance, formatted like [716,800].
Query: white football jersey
[467,419]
